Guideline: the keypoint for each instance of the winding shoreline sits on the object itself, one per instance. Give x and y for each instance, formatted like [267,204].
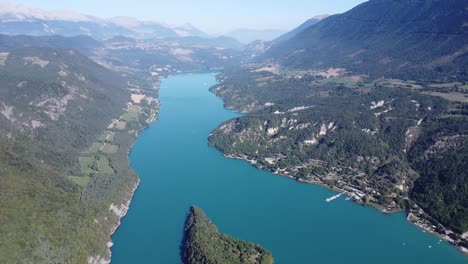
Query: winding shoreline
[227,156]
[122,215]
[416,222]
[121,211]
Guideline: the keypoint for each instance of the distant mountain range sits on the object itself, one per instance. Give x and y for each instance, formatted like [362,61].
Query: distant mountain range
[76,89]
[18,19]
[383,38]
[259,46]
[83,44]
[301,28]
[246,36]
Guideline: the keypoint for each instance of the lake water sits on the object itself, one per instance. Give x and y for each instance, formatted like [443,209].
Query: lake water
[292,220]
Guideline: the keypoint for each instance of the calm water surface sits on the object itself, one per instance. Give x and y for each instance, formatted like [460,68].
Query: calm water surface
[178,169]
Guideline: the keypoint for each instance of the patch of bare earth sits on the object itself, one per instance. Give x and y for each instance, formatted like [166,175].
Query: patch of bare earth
[332,72]
[454,97]
[4,57]
[273,68]
[357,53]
[35,61]
[446,85]
[121,125]
[448,58]
[137,98]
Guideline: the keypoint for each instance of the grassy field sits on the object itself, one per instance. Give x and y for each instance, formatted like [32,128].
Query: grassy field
[445,85]
[396,83]
[131,116]
[108,136]
[94,148]
[110,149]
[454,97]
[86,164]
[338,81]
[80,181]
[104,165]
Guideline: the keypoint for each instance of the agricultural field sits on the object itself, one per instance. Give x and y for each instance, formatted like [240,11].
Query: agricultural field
[108,136]
[95,148]
[80,181]
[131,116]
[103,166]
[87,165]
[110,149]
[453,97]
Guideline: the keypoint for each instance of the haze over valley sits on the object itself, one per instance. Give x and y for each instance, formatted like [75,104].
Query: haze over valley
[325,132]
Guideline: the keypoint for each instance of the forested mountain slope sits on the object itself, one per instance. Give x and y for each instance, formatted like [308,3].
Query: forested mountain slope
[391,38]
[83,44]
[398,147]
[297,30]
[53,96]
[53,104]
[204,244]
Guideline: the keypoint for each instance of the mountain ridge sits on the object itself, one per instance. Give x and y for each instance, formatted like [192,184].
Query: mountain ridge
[381,37]
[20,19]
[246,35]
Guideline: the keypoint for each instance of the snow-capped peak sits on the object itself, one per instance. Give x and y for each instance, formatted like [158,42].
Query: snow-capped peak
[13,11]
[128,22]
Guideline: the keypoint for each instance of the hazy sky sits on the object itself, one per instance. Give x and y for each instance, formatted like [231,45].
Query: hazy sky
[214,16]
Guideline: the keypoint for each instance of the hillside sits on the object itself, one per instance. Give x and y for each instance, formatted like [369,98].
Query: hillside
[161,57]
[54,104]
[153,56]
[217,42]
[399,39]
[204,244]
[300,28]
[246,36]
[258,46]
[83,44]
[371,102]
[399,147]
[53,94]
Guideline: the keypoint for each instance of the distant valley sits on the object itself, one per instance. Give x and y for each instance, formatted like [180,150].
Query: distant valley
[371,103]
[247,36]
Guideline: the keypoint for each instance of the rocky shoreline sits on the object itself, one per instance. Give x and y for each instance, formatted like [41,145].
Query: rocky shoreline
[120,211]
[417,219]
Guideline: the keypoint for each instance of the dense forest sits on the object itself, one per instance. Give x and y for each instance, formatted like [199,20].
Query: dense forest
[48,128]
[204,244]
[440,157]
[67,123]
[400,39]
[47,120]
[387,143]
[372,102]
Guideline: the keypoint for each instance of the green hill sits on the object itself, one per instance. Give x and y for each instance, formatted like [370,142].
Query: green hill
[54,103]
[395,146]
[397,38]
[204,244]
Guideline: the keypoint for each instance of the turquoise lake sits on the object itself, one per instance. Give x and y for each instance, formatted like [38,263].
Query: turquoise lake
[178,169]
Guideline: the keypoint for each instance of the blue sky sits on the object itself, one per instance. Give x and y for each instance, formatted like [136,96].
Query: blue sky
[214,16]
